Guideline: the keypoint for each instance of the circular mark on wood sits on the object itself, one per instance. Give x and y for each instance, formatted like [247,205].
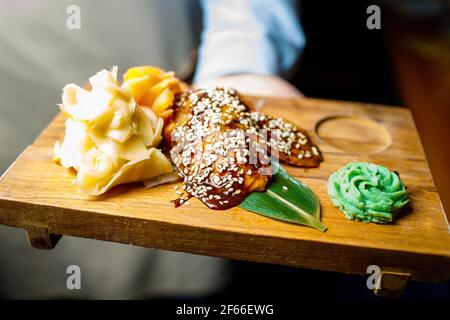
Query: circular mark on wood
[357,135]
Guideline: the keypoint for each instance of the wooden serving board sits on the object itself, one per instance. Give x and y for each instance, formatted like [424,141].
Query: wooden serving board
[37,195]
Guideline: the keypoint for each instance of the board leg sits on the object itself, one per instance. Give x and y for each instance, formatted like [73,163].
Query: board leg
[41,238]
[391,284]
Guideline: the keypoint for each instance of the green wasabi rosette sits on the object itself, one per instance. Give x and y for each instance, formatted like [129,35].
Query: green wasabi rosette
[367,192]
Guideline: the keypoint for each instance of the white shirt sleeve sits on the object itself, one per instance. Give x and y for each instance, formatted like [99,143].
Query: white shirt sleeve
[248,36]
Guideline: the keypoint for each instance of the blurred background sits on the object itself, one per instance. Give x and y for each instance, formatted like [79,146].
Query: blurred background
[405,63]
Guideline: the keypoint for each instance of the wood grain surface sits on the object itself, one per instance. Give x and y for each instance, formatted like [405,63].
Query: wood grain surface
[37,194]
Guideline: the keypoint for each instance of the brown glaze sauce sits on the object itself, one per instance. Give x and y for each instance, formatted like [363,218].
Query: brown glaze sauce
[222,149]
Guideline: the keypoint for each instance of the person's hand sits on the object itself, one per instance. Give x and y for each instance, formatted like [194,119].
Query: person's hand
[256,84]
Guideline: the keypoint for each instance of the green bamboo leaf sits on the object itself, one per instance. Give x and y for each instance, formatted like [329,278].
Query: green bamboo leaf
[287,199]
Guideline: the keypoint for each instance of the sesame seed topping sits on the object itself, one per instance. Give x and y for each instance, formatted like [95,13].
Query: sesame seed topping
[315,150]
[213,149]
